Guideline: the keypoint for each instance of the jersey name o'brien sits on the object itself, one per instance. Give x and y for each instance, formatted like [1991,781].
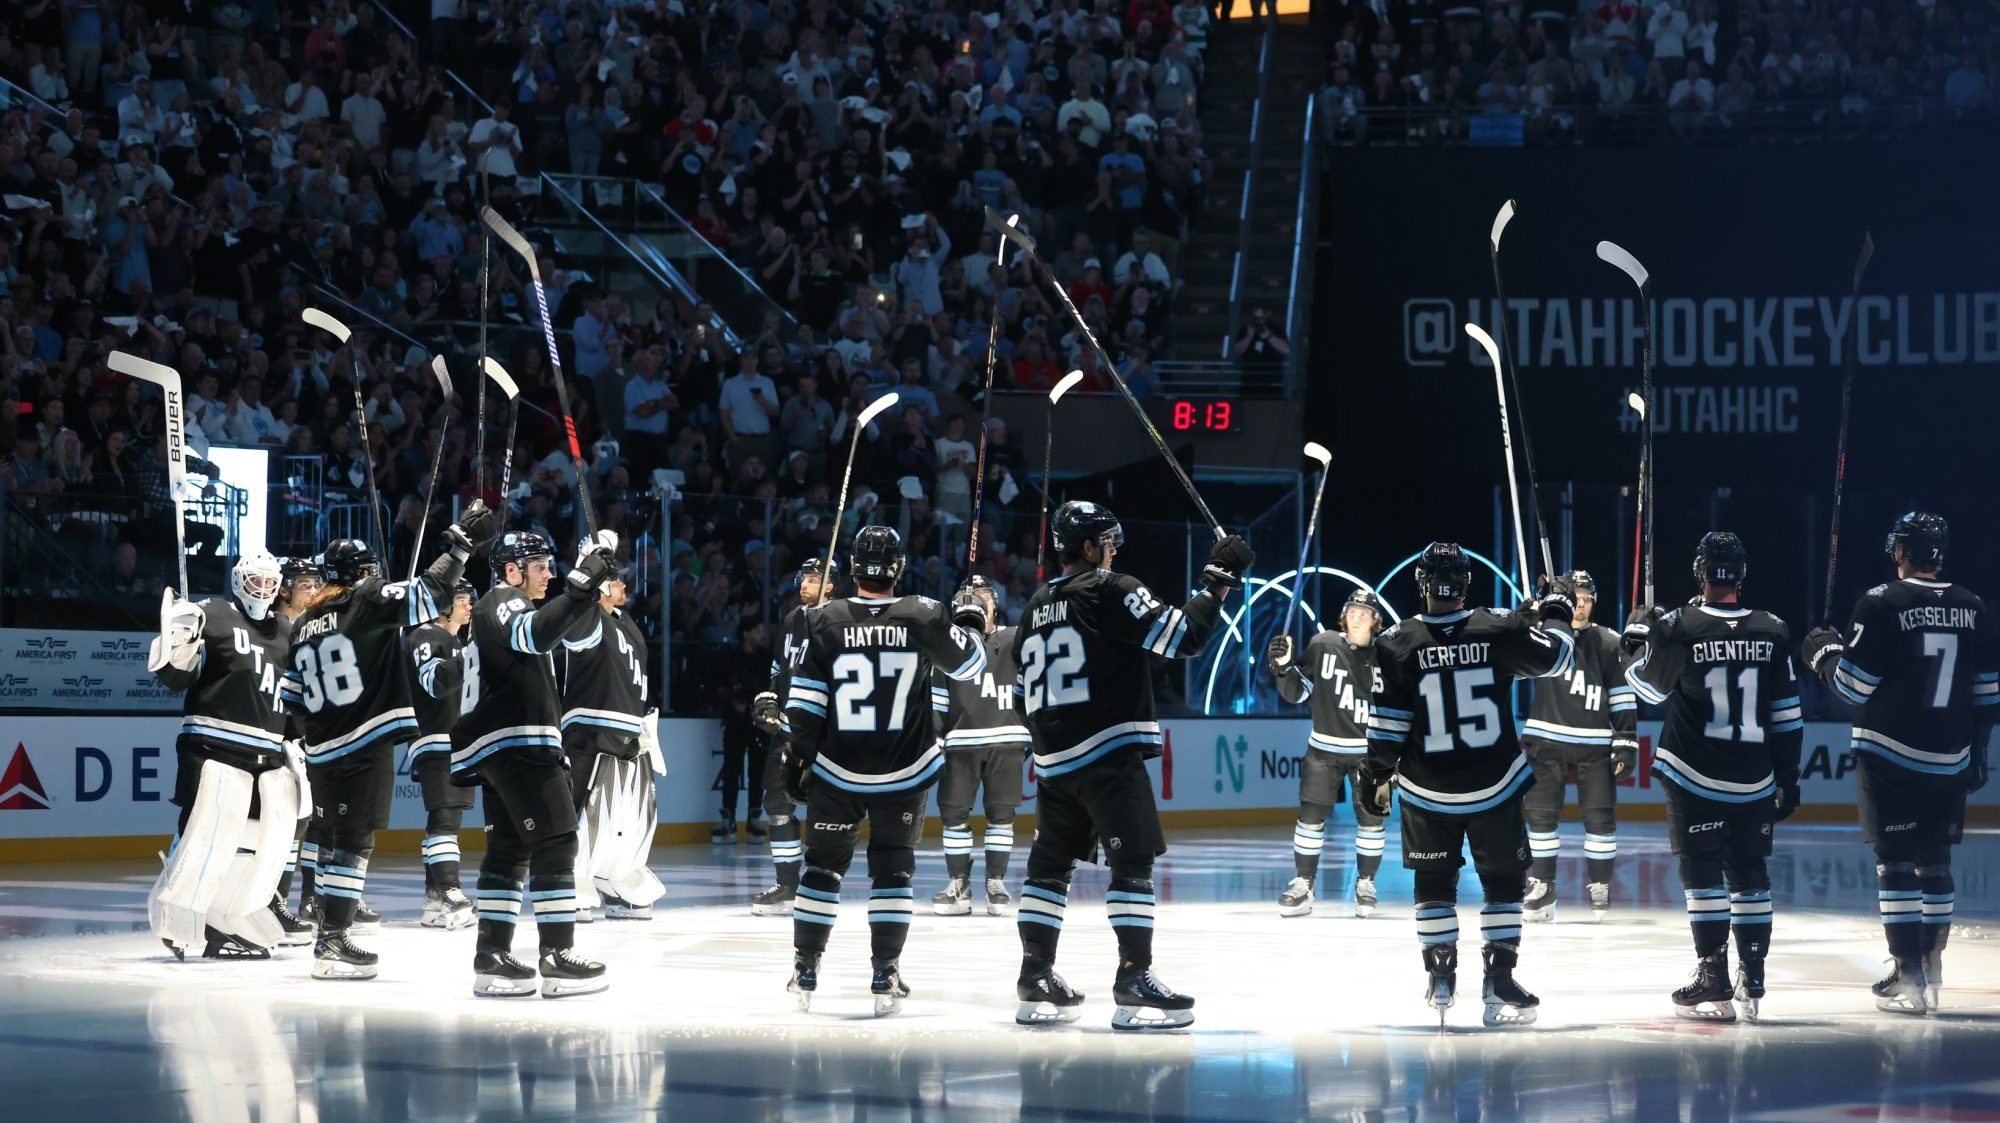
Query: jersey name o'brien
[874,635]
[317,627]
[1055,612]
[1733,650]
[1453,655]
[1937,616]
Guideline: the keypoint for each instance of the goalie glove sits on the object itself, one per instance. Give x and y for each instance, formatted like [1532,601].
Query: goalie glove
[179,643]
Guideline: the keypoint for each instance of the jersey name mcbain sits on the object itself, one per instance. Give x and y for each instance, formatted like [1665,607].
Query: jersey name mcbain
[1052,613]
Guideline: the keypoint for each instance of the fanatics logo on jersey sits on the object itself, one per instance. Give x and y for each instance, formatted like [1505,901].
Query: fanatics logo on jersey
[527,824]
[20,788]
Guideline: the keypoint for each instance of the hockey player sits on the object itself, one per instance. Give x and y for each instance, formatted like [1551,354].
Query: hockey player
[768,710]
[860,725]
[1084,649]
[1441,724]
[298,583]
[347,677]
[607,729]
[1918,661]
[438,674]
[1338,677]
[509,743]
[237,794]
[1588,720]
[985,747]
[1728,762]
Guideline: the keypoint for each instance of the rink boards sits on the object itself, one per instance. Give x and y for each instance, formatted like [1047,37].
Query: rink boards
[82,787]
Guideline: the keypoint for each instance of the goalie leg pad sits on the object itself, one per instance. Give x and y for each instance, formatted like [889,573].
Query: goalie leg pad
[241,908]
[624,816]
[203,856]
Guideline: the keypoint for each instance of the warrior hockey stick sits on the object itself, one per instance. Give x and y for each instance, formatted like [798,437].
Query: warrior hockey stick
[1629,265]
[868,414]
[1027,249]
[485,303]
[1324,456]
[1506,447]
[1500,222]
[505,381]
[339,331]
[520,246]
[174,419]
[437,462]
[1840,453]
[986,410]
[1048,465]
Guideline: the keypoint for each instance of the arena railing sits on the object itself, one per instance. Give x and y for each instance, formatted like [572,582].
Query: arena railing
[1790,121]
[1245,204]
[1305,262]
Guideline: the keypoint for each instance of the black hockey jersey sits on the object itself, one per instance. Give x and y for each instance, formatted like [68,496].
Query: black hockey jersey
[792,649]
[983,712]
[1085,649]
[510,697]
[856,697]
[231,712]
[604,687]
[1442,717]
[346,674]
[1922,668]
[437,676]
[1733,725]
[1591,703]
[1338,678]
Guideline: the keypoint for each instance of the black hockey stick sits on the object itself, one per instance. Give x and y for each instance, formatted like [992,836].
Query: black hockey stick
[1048,466]
[485,302]
[1840,449]
[338,330]
[173,417]
[1027,249]
[505,381]
[861,422]
[520,246]
[1611,253]
[1500,222]
[1506,448]
[437,462]
[985,411]
[1324,456]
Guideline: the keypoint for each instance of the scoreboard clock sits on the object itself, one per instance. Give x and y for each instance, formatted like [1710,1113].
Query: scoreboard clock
[1096,432]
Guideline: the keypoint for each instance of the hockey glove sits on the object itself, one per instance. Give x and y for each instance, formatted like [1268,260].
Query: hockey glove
[1975,777]
[1279,654]
[476,526]
[1371,794]
[1639,626]
[1820,643]
[1624,758]
[793,775]
[1788,799]
[1558,600]
[1228,560]
[592,567]
[766,713]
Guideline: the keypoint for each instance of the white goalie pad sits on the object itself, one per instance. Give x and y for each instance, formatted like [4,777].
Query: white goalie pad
[622,819]
[242,909]
[225,866]
[649,741]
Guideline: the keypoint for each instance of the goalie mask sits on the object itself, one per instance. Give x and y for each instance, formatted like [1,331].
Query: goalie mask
[253,581]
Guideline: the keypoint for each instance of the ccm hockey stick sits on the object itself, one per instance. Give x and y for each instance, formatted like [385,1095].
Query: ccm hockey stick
[861,422]
[173,418]
[1627,264]
[437,462]
[485,306]
[985,411]
[1324,456]
[505,381]
[1048,465]
[1500,222]
[338,330]
[1506,451]
[1840,453]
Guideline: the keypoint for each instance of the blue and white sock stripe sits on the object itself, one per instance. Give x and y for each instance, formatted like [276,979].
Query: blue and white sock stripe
[958,839]
[1129,910]
[1437,924]
[891,906]
[816,906]
[1621,699]
[1166,634]
[1786,715]
[554,906]
[1908,756]
[503,905]
[1750,907]
[1600,846]
[1986,688]
[1544,844]
[1387,724]
[1308,839]
[1370,841]
[343,881]
[1500,920]
[786,852]
[1938,907]
[309,855]
[440,848]
[1000,836]
[1707,905]
[1853,683]
[1041,906]
[292,859]
[1900,906]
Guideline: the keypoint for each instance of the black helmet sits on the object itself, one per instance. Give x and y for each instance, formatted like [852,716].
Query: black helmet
[968,605]
[1923,537]
[819,566]
[518,546]
[1720,559]
[1444,572]
[1080,521]
[463,588]
[348,561]
[1368,600]
[291,569]
[877,554]
[1582,581]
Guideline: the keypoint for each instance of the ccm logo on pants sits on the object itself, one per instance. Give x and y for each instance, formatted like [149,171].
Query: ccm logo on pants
[1699,827]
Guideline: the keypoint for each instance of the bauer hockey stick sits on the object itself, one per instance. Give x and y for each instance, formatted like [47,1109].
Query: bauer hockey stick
[868,414]
[1506,447]
[520,246]
[1614,255]
[505,381]
[1048,465]
[1324,456]
[174,420]
[1840,447]
[1027,249]
[437,462]
[1500,222]
[338,330]
[986,410]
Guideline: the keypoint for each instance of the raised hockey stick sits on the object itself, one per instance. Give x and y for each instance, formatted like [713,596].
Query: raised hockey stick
[986,411]
[1506,446]
[505,381]
[437,462]
[485,303]
[1324,456]
[174,419]
[1616,256]
[1840,448]
[1638,405]
[1027,249]
[1500,222]
[868,414]
[338,330]
[520,246]
[1048,465]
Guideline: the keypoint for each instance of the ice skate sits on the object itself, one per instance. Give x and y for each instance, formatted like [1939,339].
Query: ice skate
[724,833]
[297,932]
[1749,987]
[1364,897]
[1144,1002]
[566,974]
[889,990]
[1600,900]
[1902,991]
[759,831]
[1707,996]
[365,917]
[775,901]
[1441,962]
[447,908]
[1508,1003]
[497,974]
[222,945]
[999,902]
[955,900]
[1540,903]
[586,914]
[336,957]
[309,910]
[805,979]
[618,908]
[1933,978]
[1297,899]
[1046,999]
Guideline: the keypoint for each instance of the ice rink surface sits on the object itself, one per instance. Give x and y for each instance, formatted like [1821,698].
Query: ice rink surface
[1311,1018]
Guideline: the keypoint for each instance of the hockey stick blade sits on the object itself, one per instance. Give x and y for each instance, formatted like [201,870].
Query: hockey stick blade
[1319,452]
[1614,254]
[500,378]
[443,375]
[506,233]
[1500,222]
[1867,255]
[1068,383]
[145,370]
[1486,343]
[326,323]
[1006,229]
[875,408]
[1637,403]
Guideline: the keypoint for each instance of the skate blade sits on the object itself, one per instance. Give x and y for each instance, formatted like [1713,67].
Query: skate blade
[1304,908]
[1363,912]
[463,918]
[571,988]
[645,913]
[1597,915]
[297,939]
[499,986]
[1539,916]
[586,916]
[1931,997]
[1722,1011]
[887,1004]
[1046,1014]
[1500,1014]
[435,919]
[1915,1009]
[802,999]
[962,908]
[993,909]
[1747,1007]
[1150,1018]
[771,910]
[342,972]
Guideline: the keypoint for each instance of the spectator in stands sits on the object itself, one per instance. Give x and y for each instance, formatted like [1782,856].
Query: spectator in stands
[1262,342]
[748,408]
[1691,99]
[1142,258]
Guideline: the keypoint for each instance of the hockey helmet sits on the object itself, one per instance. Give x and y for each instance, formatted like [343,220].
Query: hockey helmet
[348,561]
[463,588]
[1444,572]
[969,604]
[877,554]
[819,567]
[1582,581]
[1923,537]
[520,547]
[254,581]
[1720,559]
[291,569]
[1365,598]
[1079,521]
